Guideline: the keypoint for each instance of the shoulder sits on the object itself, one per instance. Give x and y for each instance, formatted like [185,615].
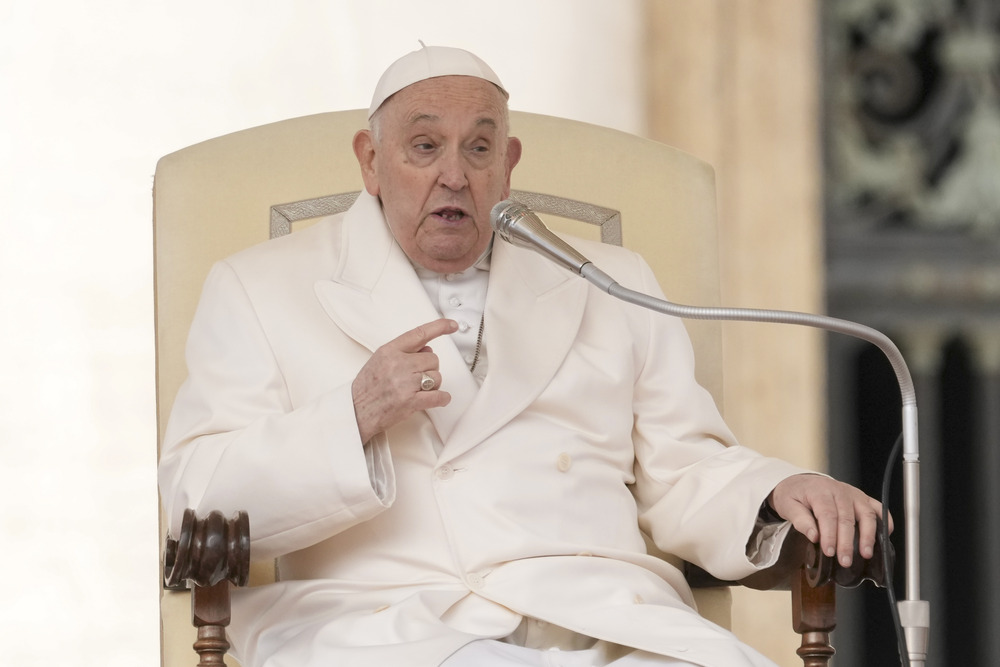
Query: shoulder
[623,264]
[313,246]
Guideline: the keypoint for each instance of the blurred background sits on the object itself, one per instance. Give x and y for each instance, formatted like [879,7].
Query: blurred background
[857,150]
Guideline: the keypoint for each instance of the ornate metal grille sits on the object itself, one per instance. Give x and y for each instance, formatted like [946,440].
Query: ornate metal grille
[912,139]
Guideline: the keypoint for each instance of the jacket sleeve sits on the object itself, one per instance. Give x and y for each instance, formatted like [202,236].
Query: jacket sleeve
[234,442]
[698,492]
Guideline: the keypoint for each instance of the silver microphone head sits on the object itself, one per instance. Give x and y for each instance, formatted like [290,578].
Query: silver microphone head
[504,215]
[515,223]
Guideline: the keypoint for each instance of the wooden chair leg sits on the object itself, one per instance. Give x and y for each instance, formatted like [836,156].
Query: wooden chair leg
[813,579]
[211,554]
[210,613]
[814,616]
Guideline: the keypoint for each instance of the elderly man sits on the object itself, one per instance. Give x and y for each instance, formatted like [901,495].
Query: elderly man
[458,452]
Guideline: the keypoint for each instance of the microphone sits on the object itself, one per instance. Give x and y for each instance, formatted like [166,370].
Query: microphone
[516,224]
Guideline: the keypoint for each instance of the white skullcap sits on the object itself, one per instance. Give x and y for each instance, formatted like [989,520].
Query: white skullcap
[426,63]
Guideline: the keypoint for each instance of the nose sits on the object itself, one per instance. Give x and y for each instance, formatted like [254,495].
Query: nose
[452,174]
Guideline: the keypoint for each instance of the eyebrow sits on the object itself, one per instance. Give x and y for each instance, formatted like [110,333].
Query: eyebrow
[421,117]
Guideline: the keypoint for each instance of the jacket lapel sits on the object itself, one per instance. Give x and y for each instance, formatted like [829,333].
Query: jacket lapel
[374,295]
[533,311]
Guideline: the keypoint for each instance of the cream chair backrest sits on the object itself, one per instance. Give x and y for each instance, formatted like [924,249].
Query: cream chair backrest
[217,197]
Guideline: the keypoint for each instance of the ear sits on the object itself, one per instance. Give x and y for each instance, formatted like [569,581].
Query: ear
[513,157]
[364,150]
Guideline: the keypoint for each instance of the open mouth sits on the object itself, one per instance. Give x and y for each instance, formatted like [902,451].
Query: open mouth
[450,214]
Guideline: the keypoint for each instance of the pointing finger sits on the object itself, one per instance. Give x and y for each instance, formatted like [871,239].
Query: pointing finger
[415,340]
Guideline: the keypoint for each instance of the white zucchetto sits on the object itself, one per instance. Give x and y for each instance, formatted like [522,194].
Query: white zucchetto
[429,62]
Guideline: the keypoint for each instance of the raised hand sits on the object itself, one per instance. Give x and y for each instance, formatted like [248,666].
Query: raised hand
[388,387]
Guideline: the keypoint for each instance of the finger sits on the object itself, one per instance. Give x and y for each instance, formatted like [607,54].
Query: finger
[868,516]
[425,360]
[425,400]
[873,509]
[428,399]
[846,524]
[827,514]
[433,375]
[796,512]
[804,522]
[415,340]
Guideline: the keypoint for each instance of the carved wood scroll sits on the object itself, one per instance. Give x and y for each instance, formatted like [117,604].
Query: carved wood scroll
[210,554]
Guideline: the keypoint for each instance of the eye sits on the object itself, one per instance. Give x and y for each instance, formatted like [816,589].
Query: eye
[480,147]
[422,143]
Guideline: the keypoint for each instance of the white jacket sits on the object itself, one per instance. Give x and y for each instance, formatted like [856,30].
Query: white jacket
[588,432]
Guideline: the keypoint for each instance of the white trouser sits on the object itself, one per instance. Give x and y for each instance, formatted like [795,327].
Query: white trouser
[493,653]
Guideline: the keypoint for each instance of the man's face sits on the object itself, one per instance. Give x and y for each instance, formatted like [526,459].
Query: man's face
[441,161]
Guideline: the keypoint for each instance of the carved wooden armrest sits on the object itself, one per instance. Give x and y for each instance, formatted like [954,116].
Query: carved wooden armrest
[812,579]
[209,554]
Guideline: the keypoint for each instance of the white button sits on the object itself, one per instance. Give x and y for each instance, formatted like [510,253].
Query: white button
[469,358]
[445,472]
[450,276]
[455,302]
[563,462]
[638,599]
[475,581]
[463,326]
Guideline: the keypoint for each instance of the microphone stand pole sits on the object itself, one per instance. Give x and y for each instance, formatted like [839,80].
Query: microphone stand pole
[914,613]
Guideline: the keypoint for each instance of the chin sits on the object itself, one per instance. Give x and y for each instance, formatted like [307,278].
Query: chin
[452,257]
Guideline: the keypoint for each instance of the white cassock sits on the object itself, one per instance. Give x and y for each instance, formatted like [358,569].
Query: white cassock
[531,496]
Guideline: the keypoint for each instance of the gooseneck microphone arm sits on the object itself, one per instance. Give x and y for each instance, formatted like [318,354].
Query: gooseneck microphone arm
[516,224]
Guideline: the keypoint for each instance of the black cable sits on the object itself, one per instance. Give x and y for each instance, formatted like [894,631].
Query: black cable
[904,655]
